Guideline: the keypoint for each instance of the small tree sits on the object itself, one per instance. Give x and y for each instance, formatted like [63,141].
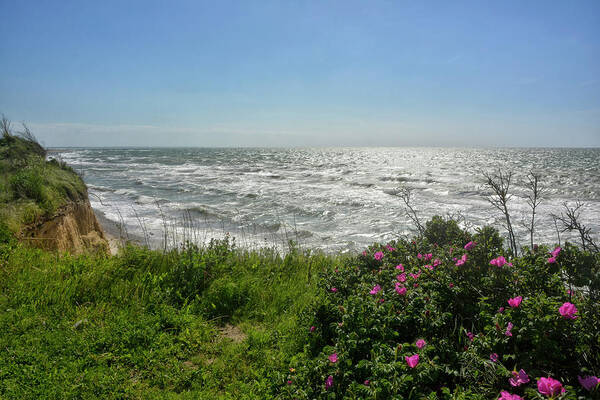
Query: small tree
[534,198]
[499,184]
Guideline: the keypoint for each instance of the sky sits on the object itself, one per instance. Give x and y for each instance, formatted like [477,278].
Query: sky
[303,73]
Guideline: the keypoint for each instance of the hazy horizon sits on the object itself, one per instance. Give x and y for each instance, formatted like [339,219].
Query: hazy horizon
[310,74]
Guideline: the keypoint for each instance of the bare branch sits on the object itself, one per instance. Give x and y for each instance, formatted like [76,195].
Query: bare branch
[571,222]
[499,184]
[405,193]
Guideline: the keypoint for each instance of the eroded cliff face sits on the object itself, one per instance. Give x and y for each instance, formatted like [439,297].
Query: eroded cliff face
[74,228]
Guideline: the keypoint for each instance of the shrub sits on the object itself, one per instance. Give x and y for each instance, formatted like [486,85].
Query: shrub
[374,311]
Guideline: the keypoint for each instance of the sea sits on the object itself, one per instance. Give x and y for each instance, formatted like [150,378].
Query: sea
[330,199]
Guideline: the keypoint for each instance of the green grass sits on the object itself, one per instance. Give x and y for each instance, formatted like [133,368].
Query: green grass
[31,187]
[150,321]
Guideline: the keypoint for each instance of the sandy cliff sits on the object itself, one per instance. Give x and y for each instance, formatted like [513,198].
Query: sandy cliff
[74,228]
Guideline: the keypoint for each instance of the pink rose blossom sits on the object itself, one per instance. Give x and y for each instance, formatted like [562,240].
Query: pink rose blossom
[419,256]
[518,378]
[401,277]
[428,256]
[500,310]
[589,383]
[469,246]
[554,253]
[401,290]
[367,382]
[333,289]
[549,387]
[508,329]
[415,276]
[378,256]
[412,361]
[451,285]
[329,382]
[515,302]
[421,343]
[462,260]
[504,395]
[498,261]
[400,267]
[333,358]
[389,248]
[429,267]
[471,336]
[551,260]
[312,328]
[376,289]
[436,262]
[568,310]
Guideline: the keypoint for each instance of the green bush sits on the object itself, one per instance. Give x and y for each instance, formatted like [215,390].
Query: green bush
[371,315]
[28,183]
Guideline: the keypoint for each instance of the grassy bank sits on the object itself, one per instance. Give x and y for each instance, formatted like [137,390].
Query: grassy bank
[31,188]
[216,322]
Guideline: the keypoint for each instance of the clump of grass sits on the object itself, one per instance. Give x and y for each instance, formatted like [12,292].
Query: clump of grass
[31,187]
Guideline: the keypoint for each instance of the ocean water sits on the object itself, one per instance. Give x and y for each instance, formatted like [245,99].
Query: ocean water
[335,199]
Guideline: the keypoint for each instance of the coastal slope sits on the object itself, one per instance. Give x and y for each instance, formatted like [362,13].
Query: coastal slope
[44,202]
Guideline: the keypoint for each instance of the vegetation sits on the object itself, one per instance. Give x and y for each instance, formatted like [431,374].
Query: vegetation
[222,322]
[31,187]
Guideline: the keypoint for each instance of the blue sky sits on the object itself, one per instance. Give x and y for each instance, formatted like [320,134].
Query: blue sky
[301,73]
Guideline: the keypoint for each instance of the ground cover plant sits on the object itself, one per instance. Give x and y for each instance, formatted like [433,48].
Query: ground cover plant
[454,318]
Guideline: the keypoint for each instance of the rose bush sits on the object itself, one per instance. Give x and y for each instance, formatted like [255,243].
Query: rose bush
[494,325]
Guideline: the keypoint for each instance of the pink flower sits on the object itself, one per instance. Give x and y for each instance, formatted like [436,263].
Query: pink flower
[436,262]
[412,361]
[333,358]
[549,387]
[494,357]
[376,289]
[589,383]
[367,382]
[389,248]
[498,261]
[400,267]
[415,276]
[312,328]
[508,329]
[551,260]
[568,310]
[429,267]
[428,256]
[401,277]
[462,260]
[419,256]
[378,256]
[451,285]
[421,343]
[555,252]
[289,382]
[515,302]
[500,310]
[504,395]
[364,253]
[518,378]
[469,246]
[471,336]
[328,382]
[333,289]
[401,290]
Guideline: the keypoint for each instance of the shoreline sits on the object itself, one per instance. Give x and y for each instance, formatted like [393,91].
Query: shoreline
[114,234]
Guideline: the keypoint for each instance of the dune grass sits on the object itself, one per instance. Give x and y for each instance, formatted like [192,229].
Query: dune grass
[149,325]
